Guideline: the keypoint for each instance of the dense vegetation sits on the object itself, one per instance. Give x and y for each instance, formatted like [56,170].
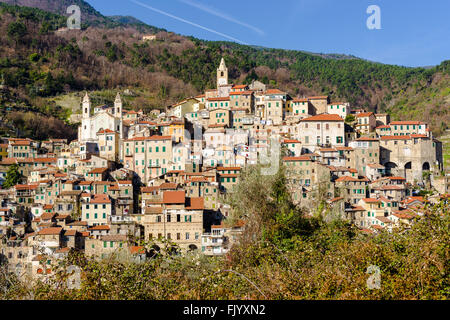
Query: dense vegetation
[38,62]
[283,254]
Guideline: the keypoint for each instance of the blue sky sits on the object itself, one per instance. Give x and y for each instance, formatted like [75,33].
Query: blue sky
[413,33]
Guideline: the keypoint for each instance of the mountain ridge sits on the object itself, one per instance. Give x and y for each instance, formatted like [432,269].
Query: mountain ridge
[174,67]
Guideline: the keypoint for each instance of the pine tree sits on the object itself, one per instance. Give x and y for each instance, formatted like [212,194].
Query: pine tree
[12,177]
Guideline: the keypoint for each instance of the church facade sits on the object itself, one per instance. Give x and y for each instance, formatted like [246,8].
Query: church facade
[102,119]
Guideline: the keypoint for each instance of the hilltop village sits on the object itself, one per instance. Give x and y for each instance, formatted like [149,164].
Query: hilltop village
[165,176]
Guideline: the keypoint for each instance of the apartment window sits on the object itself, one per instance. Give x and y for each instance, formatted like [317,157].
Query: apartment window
[169,236]
[168,218]
[178,236]
[178,217]
[187,235]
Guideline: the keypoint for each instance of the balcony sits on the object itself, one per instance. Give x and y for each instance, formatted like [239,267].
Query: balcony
[121,219]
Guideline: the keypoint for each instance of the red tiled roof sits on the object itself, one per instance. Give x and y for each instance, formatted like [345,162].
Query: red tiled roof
[274,91]
[100,198]
[50,231]
[366,139]
[364,114]
[404,137]
[228,168]
[149,189]
[219,99]
[105,131]
[150,138]
[100,227]
[301,158]
[174,197]
[407,122]
[195,203]
[371,200]
[98,170]
[317,97]
[324,117]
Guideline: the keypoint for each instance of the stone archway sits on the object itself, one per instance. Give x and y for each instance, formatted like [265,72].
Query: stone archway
[408,170]
[391,168]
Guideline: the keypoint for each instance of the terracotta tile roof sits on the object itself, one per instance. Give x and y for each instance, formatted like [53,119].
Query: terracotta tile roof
[229,168]
[174,197]
[371,200]
[344,148]
[404,137]
[367,139]
[152,138]
[70,233]
[301,158]
[346,179]
[25,186]
[219,99]
[364,114]
[317,97]
[168,186]
[105,131]
[274,91]
[407,123]
[149,189]
[50,231]
[99,228]
[324,117]
[384,219]
[419,136]
[195,203]
[328,150]
[239,86]
[247,92]
[98,170]
[100,198]
[291,141]
[299,100]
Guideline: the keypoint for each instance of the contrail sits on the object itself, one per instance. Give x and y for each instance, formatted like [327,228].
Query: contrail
[221,15]
[186,21]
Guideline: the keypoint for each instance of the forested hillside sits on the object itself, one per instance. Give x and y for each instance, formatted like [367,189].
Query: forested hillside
[39,62]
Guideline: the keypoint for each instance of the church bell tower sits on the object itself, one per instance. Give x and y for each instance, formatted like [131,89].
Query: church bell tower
[222,74]
[86,105]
